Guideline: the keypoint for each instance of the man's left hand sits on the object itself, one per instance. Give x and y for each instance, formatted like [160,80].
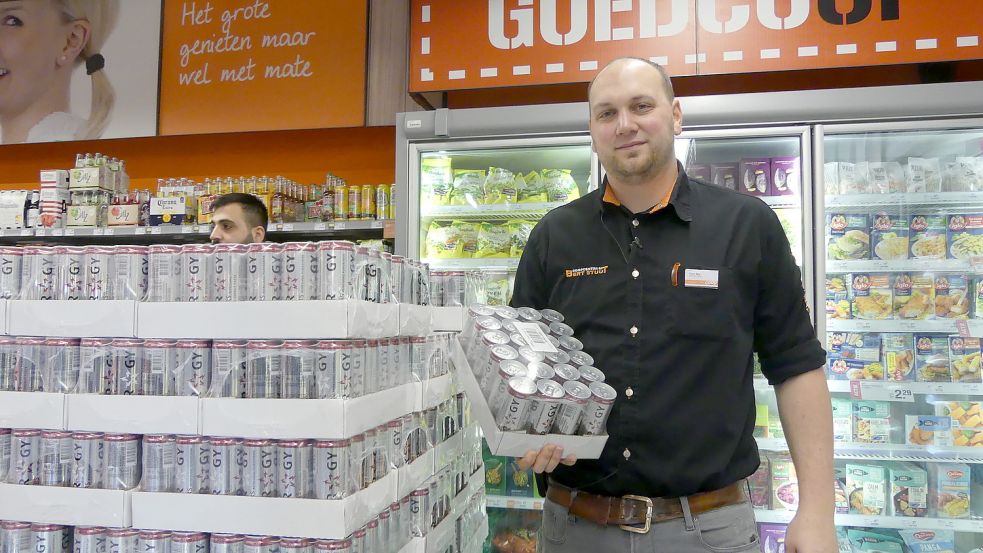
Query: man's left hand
[808,533]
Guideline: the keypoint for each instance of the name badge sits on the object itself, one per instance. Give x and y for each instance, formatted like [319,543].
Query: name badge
[702,278]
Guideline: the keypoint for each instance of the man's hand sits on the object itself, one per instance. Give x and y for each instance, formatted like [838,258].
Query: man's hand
[808,533]
[546,459]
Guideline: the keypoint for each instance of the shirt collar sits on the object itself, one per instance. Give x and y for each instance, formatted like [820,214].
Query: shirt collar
[679,196]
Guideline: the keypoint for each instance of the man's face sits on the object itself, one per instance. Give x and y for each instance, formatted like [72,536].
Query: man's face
[632,121]
[230,226]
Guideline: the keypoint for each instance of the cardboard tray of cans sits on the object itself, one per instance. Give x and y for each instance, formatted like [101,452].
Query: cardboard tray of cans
[314,518]
[415,320]
[133,414]
[307,418]
[412,475]
[32,410]
[435,391]
[70,506]
[76,318]
[274,320]
[448,319]
[515,444]
[4,308]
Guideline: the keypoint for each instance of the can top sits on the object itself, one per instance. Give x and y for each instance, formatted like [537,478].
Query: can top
[122,532]
[495,337]
[558,357]
[163,248]
[358,438]
[190,439]
[602,391]
[488,323]
[336,245]
[28,432]
[46,527]
[29,341]
[374,523]
[418,339]
[591,374]
[529,314]
[561,329]
[191,344]
[257,443]
[518,339]
[324,444]
[154,534]
[550,389]
[372,342]
[228,344]
[8,250]
[506,312]
[187,537]
[522,386]
[299,247]
[88,436]
[121,437]
[480,310]
[264,344]
[127,342]
[566,372]
[295,542]
[14,525]
[158,343]
[130,250]
[71,250]
[90,530]
[90,342]
[100,250]
[385,514]
[292,443]
[511,367]
[570,343]
[222,441]
[420,492]
[551,315]
[395,423]
[540,371]
[227,538]
[394,506]
[4,431]
[333,545]
[230,248]
[197,248]
[333,344]
[299,344]
[530,354]
[55,434]
[504,352]
[577,390]
[264,247]
[580,358]
[64,342]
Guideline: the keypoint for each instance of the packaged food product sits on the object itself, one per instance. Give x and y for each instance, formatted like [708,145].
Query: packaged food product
[847,236]
[495,468]
[494,240]
[756,176]
[928,430]
[500,187]
[772,537]
[926,236]
[842,420]
[519,236]
[929,541]
[964,235]
[761,416]
[964,414]
[924,175]
[837,297]
[964,359]
[534,190]
[909,490]
[967,437]
[518,482]
[443,241]
[468,188]
[931,358]
[699,171]
[854,369]
[864,346]
[841,178]
[889,236]
[869,541]
[436,178]
[872,422]
[949,490]
[898,357]
[871,296]
[961,175]
[724,174]
[468,236]
[784,484]
[886,177]
[914,296]
[953,296]
[978,294]
[866,487]
[559,185]
[841,504]
[759,484]
[784,175]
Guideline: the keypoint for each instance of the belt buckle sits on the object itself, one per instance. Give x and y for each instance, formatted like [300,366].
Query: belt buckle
[648,515]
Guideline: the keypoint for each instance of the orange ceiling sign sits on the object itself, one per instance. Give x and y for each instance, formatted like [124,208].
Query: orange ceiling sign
[495,43]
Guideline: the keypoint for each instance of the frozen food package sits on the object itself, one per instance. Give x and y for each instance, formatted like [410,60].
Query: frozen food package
[928,430]
[924,175]
[929,541]
[926,236]
[932,358]
[964,235]
[889,236]
[964,359]
[914,296]
[872,422]
[755,176]
[909,490]
[500,187]
[871,295]
[772,537]
[785,176]
[699,171]
[869,541]
[468,188]
[864,346]
[898,357]
[559,185]
[468,236]
[436,178]
[443,241]
[961,175]
[837,297]
[784,484]
[831,179]
[494,240]
[724,175]
[949,489]
[842,420]
[953,295]
[866,487]
[759,484]
[846,178]
[855,369]
[886,177]
[848,236]
[534,190]
[520,235]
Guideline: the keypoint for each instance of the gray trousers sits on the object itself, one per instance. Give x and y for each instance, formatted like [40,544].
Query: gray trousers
[729,529]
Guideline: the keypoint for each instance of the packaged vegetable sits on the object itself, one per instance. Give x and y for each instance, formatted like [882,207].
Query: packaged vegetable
[924,175]
[534,190]
[469,187]
[837,297]
[519,236]
[559,185]
[436,179]
[964,359]
[500,187]
[964,234]
[926,236]
[848,236]
[443,241]
[494,240]
[949,489]
[468,235]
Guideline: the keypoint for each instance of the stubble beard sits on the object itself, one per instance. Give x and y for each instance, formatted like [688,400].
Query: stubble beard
[637,171]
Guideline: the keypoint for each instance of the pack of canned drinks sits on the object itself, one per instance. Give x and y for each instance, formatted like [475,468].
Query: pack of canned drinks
[70,459]
[533,372]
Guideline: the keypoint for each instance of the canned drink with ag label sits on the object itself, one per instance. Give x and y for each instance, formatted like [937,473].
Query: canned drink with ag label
[73,272]
[126,367]
[122,540]
[264,268]
[229,272]
[26,457]
[226,543]
[196,280]
[299,380]
[513,413]
[564,372]
[264,370]
[99,269]
[395,445]
[370,370]
[9,354]
[419,509]
[259,471]
[224,475]
[89,539]
[192,463]
[154,541]
[122,461]
[4,453]
[131,267]
[193,367]
[51,538]
[296,545]
[572,411]
[356,454]
[336,267]
[333,363]
[164,277]
[189,542]
[228,369]
[598,409]
[158,458]
[300,271]
[60,364]
[10,272]
[88,458]
[589,375]
[159,359]
[28,371]
[295,470]
[332,478]
[357,373]
[56,458]
[581,359]
[397,267]
[545,405]
[15,537]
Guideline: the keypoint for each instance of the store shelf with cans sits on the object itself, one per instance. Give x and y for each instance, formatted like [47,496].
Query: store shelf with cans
[490,212]
[865,521]
[865,201]
[890,452]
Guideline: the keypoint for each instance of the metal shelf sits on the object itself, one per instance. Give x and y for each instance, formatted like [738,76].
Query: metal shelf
[491,212]
[891,452]
[934,388]
[947,326]
[900,523]
[917,199]
[912,265]
[478,263]
[504,502]
[778,202]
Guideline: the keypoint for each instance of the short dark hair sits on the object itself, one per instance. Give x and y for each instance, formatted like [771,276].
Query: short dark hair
[252,207]
[666,82]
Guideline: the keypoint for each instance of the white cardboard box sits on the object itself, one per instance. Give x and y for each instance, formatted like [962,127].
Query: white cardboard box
[304,418]
[32,410]
[435,391]
[441,537]
[267,319]
[447,451]
[416,545]
[70,506]
[515,444]
[4,323]
[448,319]
[133,414]
[415,320]
[411,476]
[76,318]
[314,518]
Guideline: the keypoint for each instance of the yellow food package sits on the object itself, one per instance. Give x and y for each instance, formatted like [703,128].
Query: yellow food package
[443,241]
[534,190]
[436,178]
[871,296]
[494,240]
[500,187]
[468,233]
[560,186]
[468,188]
[520,235]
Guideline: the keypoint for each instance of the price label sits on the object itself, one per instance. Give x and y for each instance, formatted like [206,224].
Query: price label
[58,232]
[41,232]
[27,232]
[872,522]
[909,523]
[962,327]
[98,231]
[948,524]
[69,232]
[109,231]
[864,325]
[188,229]
[377,224]
[286,227]
[146,230]
[279,226]
[877,391]
[535,337]
[155,230]
[320,226]
[340,226]
[901,394]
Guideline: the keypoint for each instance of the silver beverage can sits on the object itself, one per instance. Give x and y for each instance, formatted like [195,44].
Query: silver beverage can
[371,367]
[99,270]
[192,367]
[406,516]
[395,430]
[299,379]
[332,478]
[384,378]
[368,273]
[542,412]
[228,369]
[30,274]
[264,370]
[571,344]
[295,469]
[56,458]
[196,280]
[558,357]
[334,546]
[131,269]
[226,543]
[496,355]
[300,271]
[73,272]
[397,527]
[372,535]
[25,450]
[189,542]
[333,362]
[409,284]
[159,451]
[154,541]
[589,375]
[454,289]
[296,545]
[540,371]
[480,355]
[385,278]
[412,442]
[564,372]
[122,461]
[560,329]
[122,540]
[88,460]
[420,511]
[10,272]
[505,312]
[553,340]
[51,538]
[89,539]
[51,273]
[4,453]
[259,468]
[419,361]
[264,270]
[358,368]
[164,273]
[15,537]
[551,316]
[159,360]
[581,359]
[336,270]
[224,477]
[368,460]
[505,370]
[397,268]
[385,530]
[598,409]
[401,362]
[192,464]
[517,341]
[8,363]
[29,363]
[476,324]
[356,456]
[514,411]
[229,272]
[530,355]
[127,367]
[60,364]
[572,411]
[528,314]
[261,544]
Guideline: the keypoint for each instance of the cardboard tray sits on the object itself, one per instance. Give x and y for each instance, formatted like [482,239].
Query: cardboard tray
[32,410]
[448,319]
[69,506]
[74,318]
[133,414]
[415,320]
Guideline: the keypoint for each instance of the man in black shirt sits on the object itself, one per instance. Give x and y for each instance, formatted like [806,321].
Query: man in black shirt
[685,281]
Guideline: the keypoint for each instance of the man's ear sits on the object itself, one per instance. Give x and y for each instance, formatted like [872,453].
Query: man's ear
[259,234]
[79,32]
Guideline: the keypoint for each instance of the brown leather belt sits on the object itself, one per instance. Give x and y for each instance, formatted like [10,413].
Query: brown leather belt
[632,510]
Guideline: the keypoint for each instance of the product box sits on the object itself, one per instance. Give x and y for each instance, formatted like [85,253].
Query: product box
[124,215]
[54,207]
[871,295]
[761,417]
[949,489]
[755,176]
[785,176]
[863,346]
[874,540]
[866,487]
[54,178]
[12,208]
[928,430]
[929,541]
[889,236]
[854,369]
[953,296]
[725,174]
[848,236]
[31,410]
[699,171]
[909,490]
[84,216]
[759,484]
[924,175]
[842,420]
[91,178]
[172,210]
[886,177]
[964,359]
[978,297]
[964,414]
[964,235]
[926,236]
[66,506]
[784,484]
[872,422]
[914,296]
[837,297]
[518,482]
[840,502]
[772,537]
[898,357]
[932,358]
[79,318]
[496,469]
[841,178]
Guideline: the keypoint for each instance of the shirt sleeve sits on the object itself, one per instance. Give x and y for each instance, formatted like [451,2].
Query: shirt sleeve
[784,337]
[529,289]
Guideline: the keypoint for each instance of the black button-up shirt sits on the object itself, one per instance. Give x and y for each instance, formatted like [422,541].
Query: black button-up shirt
[625,283]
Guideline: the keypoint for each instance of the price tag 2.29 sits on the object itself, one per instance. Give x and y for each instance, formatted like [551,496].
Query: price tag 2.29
[535,337]
[877,391]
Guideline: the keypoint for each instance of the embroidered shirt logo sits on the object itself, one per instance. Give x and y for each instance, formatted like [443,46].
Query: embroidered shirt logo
[586,271]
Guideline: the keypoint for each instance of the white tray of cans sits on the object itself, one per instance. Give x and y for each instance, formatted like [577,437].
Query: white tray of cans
[435,391]
[412,475]
[4,307]
[72,506]
[133,414]
[314,518]
[32,410]
[311,319]
[76,318]
[448,319]
[415,320]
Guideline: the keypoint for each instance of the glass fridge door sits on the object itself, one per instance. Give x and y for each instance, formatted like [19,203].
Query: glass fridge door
[900,237]
[478,200]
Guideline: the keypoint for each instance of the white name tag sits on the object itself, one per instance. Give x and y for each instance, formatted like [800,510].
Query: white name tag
[702,278]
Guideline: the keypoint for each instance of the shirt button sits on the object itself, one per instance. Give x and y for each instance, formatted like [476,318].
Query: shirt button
[626,453]
[634,222]
[633,330]
[635,273]
[629,392]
